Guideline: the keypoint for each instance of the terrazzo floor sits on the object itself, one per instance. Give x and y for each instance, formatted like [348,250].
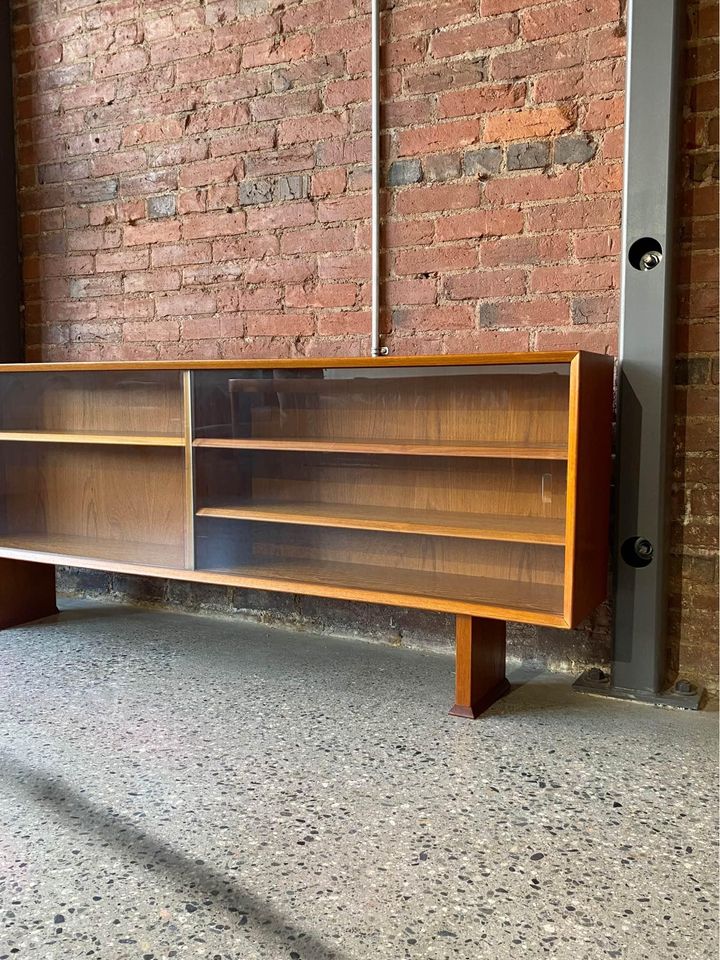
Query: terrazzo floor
[173,786]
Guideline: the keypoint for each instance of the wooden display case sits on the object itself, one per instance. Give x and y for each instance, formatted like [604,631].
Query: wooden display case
[475,485]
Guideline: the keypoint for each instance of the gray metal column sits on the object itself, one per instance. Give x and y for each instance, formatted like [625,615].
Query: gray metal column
[11,340]
[645,356]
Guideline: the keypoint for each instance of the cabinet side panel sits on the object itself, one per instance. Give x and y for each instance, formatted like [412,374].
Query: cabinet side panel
[589,484]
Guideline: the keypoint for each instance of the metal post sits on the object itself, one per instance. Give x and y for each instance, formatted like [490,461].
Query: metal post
[645,355]
[375,349]
[11,340]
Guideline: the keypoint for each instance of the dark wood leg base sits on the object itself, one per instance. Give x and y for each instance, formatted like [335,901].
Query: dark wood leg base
[27,592]
[479,665]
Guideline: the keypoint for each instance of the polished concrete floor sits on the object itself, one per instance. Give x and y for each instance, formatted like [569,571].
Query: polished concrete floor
[172,786]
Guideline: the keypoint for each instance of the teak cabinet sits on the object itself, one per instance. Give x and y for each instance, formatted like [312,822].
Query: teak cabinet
[474,485]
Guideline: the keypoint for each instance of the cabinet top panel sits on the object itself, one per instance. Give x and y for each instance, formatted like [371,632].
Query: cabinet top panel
[565,356]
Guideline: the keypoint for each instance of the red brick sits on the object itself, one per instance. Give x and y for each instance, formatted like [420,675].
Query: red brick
[435,259]
[328,182]
[206,171]
[607,112]
[340,37]
[185,304]
[603,340]
[408,233]
[281,270]
[435,77]
[324,295]
[526,124]
[166,129]
[613,144]
[426,199]
[531,187]
[342,92]
[523,250]
[247,140]
[481,223]
[212,225]
[344,208]
[286,105]
[182,46]
[341,323]
[487,341]
[244,31]
[121,260]
[590,245]
[273,217]
[272,51]
[333,152]
[525,313]
[127,61]
[287,160]
[481,99]
[438,137]
[317,240]
[279,324]
[408,292]
[151,330]
[572,17]
[344,266]
[423,18]
[311,128]
[127,161]
[574,215]
[206,68]
[486,284]
[448,317]
[607,42]
[151,281]
[475,37]
[572,277]
[538,58]
[597,309]
[245,248]
[602,178]
[201,328]
[164,231]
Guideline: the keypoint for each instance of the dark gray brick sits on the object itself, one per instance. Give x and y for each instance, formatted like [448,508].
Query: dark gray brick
[483,162]
[446,167]
[528,156]
[403,172]
[574,149]
[159,207]
[255,191]
[291,188]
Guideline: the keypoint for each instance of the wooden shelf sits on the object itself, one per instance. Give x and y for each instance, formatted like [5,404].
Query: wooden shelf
[512,451]
[109,439]
[78,549]
[414,587]
[473,526]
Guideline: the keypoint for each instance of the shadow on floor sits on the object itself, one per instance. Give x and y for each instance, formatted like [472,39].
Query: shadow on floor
[242,905]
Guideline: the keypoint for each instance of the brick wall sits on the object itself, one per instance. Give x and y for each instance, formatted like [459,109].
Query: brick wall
[194,176]
[194,183]
[694,534]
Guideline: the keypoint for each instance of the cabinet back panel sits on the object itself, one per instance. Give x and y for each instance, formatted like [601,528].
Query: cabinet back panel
[526,404]
[531,488]
[265,542]
[147,403]
[131,495]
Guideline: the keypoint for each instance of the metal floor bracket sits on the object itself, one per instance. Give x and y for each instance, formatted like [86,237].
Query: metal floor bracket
[682,695]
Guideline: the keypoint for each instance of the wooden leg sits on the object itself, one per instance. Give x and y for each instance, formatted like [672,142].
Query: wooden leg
[27,592]
[479,665]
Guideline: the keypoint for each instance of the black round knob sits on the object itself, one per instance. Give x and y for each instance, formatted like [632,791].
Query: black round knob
[637,551]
